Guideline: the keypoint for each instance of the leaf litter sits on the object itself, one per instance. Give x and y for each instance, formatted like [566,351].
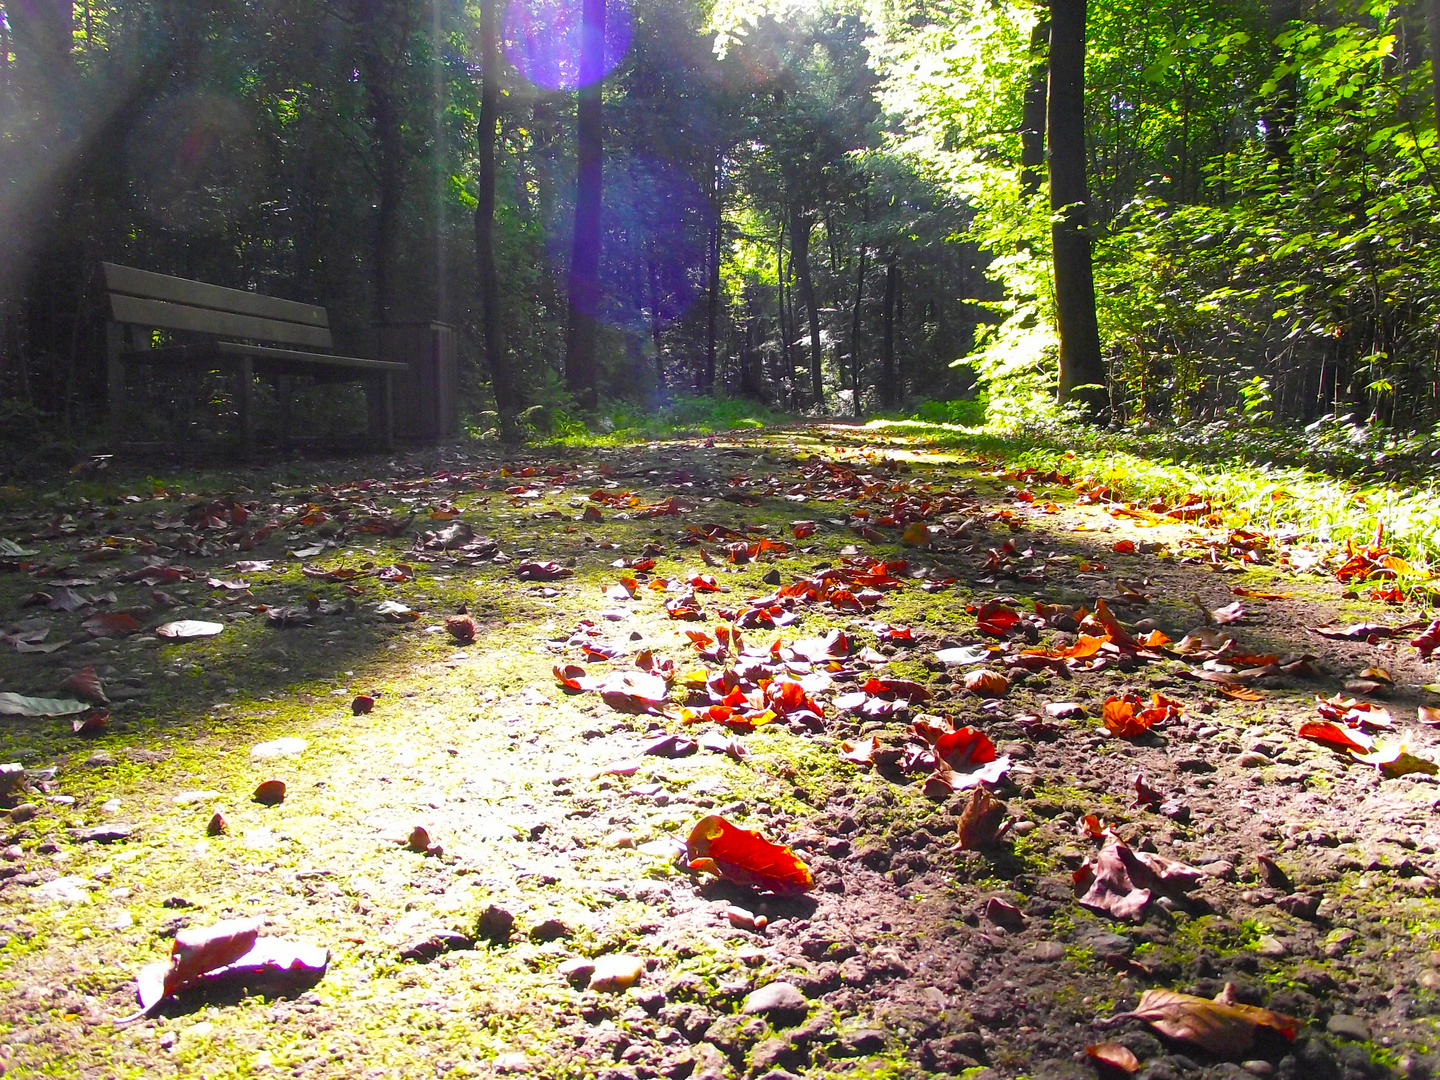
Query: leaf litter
[807,659]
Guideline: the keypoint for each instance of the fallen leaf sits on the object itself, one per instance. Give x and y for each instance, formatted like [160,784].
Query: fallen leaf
[270,792]
[1428,715]
[276,965]
[987,683]
[1336,737]
[1393,759]
[90,722]
[189,628]
[462,628]
[542,571]
[964,654]
[862,752]
[745,857]
[1230,613]
[111,624]
[982,822]
[1115,1056]
[1122,721]
[87,685]
[20,705]
[1224,1029]
[361,704]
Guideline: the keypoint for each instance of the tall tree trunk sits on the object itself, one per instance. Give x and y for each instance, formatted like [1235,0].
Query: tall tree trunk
[887,354]
[654,268]
[787,361]
[1278,112]
[378,73]
[1032,130]
[1082,369]
[582,324]
[800,259]
[502,379]
[1432,26]
[855,325]
[712,313]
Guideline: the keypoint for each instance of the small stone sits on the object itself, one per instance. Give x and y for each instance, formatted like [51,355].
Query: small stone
[24,812]
[1258,1067]
[104,834]
[1271,874]
[1221,868]
[270,792]
[190,798]
[65,890]
[778,1001]
[1301,905]
[217,825]
[1023,828]
[1048,951]
[495,925]
[1194,765]
[1429,979]
[424,949]
[859,1043]
[100,759]
[277,748]
[616,840]
[616,972]
[1348,1027]
[513,1062]
[418,840]
[550,930]
[12,775]
[1252,759]
[1271,947]
[577,972]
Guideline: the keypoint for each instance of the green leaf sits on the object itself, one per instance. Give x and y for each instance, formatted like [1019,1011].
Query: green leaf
[20,705]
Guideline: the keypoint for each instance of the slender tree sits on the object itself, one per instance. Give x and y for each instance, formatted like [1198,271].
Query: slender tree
[502,379]
[800,258]
[1082,368]
[582,325]
[1032,133]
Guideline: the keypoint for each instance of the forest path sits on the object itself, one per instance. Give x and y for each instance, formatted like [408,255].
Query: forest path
[1308,880]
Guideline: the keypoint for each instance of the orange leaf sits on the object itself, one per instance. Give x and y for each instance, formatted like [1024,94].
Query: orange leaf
[747,858]
[1115,1055]
[1121,721]
[987,683]
[1123,547]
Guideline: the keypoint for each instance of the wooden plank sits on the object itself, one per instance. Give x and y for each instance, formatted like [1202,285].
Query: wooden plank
[167,316]
[275,361]
[152,286]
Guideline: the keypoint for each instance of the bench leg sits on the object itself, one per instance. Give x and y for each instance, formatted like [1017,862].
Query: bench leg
[380,401]
[115,376]
[243,401]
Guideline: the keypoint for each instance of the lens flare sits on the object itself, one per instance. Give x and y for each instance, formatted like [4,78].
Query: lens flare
[542,39]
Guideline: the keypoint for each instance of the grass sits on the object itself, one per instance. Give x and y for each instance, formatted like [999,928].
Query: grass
[1326,500]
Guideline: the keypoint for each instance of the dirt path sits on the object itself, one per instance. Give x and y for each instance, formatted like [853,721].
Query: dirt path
[552,860]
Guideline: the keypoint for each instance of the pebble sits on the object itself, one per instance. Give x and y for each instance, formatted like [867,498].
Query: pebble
[68,890]
[24,812]
[1258,1067]
[513,1062]
[1272,947]
[1048,951]
[1348,1027]
[616,972]
[11,774]
[1252,759]
[100,759]
[577,972]
[777,1000]
[495,925]
[277,748]
[1023,828]
[424,949]
[217,825]
[104,834]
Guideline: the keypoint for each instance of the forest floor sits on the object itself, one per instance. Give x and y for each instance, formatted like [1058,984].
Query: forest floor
[547,922]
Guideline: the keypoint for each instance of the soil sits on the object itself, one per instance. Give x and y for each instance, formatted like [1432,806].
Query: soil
[546,923]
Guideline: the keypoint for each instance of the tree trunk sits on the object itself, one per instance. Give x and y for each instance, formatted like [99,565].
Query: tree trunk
[582,324]
[855,327]
[1082,369]
[654,268]
[887,354]
[787,361]
[1278,115]
[1032,130]
[800,259]
[712,312]
[502,380]
[1432,26]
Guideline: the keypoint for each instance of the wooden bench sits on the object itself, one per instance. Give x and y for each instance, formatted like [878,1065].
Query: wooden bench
[244,333]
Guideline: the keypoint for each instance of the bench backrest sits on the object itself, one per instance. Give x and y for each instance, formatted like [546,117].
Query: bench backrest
[143,298]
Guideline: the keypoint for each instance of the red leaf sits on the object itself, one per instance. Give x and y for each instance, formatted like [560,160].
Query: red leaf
[1336,737]
[964,748]
[270,792]
[86,684]
[362,704]
[111,624]
[745,857]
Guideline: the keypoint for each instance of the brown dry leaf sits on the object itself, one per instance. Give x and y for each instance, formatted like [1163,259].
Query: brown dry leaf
[1224,1029]
[1115,1055]
[1429,715]
[862,752]
[1241,693]
[270,792]
[86,684]
[982,822]
[987,683]
[462,628]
